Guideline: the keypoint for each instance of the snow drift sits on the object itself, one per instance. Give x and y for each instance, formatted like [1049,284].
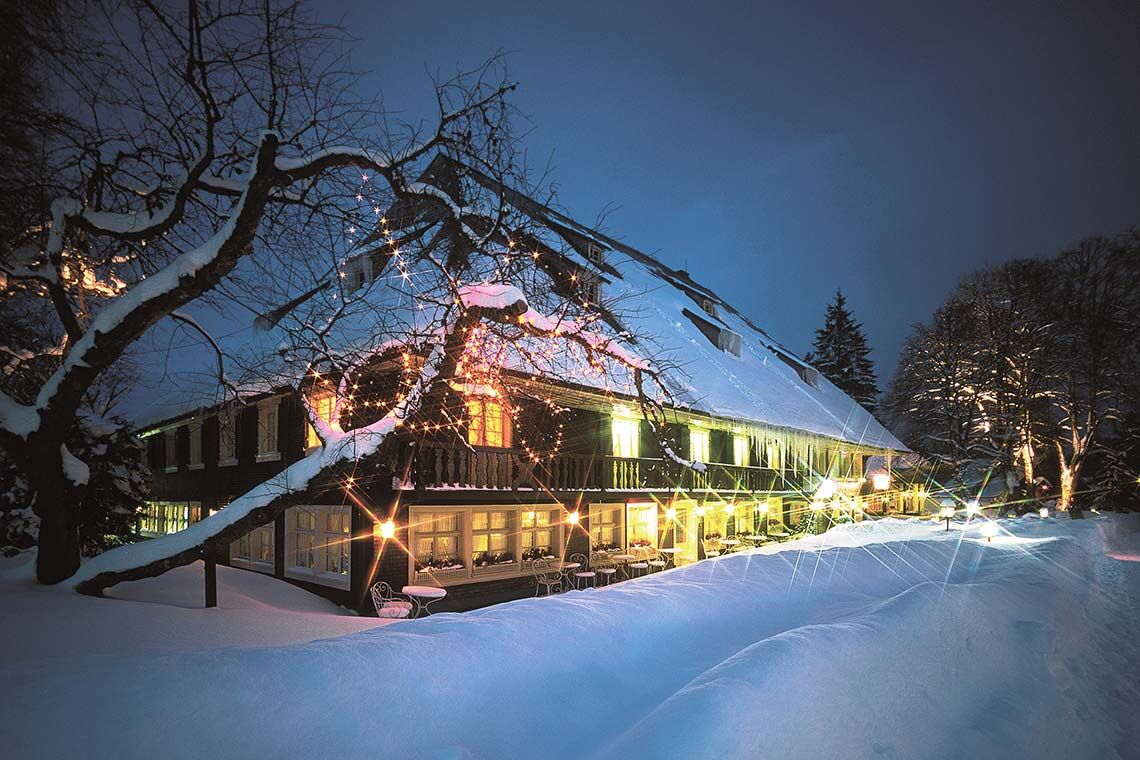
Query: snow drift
[888,639]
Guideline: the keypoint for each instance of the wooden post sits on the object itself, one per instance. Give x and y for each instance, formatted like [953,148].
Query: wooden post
[211,579]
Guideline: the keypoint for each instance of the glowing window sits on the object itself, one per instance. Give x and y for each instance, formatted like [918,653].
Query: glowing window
[489,425]
[490,537]
[740,453]
[641,524]
[626,443]
[321,402]
[698,445]
[539,533]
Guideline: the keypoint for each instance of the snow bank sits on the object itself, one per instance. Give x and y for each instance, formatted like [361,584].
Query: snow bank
[901,641]
[161,614]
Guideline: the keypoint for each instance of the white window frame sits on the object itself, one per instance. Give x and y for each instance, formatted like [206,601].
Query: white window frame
[268,427]
[195,458]
[324,542]
[227,436]
[419,515]
[248,550]
[170,444]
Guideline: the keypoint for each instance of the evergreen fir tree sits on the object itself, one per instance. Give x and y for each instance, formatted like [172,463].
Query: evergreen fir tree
[842,355]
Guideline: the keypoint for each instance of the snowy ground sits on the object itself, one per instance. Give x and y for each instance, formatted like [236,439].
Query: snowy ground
[887,640]
[161,615]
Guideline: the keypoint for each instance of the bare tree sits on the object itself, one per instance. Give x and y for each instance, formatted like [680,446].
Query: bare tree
[221,157]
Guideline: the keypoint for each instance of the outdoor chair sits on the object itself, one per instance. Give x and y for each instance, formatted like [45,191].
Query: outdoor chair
[544,578]
[658,562]
[583,574]
[387,604]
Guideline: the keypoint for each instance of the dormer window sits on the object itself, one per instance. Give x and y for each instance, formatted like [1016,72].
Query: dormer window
[489,423]
[591,281]
[708,305]
[357,273]
[726,340]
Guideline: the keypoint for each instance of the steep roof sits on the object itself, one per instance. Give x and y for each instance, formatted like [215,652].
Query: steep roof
[716,360]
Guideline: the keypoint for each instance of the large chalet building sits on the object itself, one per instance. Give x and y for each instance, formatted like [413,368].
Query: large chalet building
[471,516]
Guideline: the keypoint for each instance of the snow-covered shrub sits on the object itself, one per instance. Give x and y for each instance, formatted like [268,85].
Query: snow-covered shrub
[117,484]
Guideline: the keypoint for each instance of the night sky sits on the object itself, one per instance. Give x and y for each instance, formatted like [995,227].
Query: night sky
[779,153]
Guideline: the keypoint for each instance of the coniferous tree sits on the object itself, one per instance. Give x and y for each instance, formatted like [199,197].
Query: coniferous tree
[842,355]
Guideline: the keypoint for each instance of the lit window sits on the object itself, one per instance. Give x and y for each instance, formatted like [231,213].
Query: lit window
[605,526]
[317,541]
[162,517]
[740,451]
[437,539]
[626,443]
[698,445]
[489,425]
[539,533]
[227,436]
[255,549]
[267,430]
[641,524]
[322,402]
[490,537]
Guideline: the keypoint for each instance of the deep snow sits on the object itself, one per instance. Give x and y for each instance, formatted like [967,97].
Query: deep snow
[887,639]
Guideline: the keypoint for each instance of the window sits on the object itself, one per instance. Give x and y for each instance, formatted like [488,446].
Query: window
[489,425]
[357,273]
[255,549]
[317,544]
[227,437]
[195,428]
[490,537]
[170,438]
[708,305]
[740,450]
[626,443]
[698,445]
[605,526]
[437,539]
[267,430]
[641,524]
[539,533]
[161,517]
[322,402]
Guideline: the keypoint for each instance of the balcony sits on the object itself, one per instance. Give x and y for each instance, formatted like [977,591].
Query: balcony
[478,467]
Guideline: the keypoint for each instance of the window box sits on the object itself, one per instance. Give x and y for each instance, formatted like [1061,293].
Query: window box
[429,576]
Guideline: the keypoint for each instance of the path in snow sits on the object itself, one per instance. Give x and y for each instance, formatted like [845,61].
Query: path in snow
[892,639]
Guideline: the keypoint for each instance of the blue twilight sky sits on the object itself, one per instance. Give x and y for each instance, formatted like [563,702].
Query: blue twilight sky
[781,150]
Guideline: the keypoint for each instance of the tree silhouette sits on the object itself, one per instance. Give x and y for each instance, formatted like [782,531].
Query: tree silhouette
[842,355]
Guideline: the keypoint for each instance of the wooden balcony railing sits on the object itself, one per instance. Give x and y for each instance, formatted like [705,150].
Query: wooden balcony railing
[512,469]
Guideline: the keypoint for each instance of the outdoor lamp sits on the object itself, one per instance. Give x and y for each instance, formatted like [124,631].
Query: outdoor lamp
[946,513]
[989,530]
[973,507]
[1044,512]
[729,509]
[670,513]
[817,505]
[880,481]
[573,518]
[762,508]
[826,489]
[700,511]
[384,530]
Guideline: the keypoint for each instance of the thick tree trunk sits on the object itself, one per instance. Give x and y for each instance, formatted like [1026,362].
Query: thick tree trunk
[57,557]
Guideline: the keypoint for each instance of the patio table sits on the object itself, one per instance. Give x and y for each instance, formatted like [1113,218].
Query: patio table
[423,596]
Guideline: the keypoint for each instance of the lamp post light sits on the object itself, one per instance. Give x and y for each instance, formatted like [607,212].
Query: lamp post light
[989,530]
[973,508]
[946,513]
[1044,512]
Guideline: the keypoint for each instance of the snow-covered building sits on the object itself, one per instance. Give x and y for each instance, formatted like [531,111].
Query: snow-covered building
[767,432]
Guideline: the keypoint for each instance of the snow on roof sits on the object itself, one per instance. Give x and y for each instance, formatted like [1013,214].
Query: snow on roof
[765,384]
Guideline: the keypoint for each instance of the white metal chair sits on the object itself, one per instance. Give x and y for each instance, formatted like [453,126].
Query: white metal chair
[387,604]
[544,578]
[657,562]
[583,574]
